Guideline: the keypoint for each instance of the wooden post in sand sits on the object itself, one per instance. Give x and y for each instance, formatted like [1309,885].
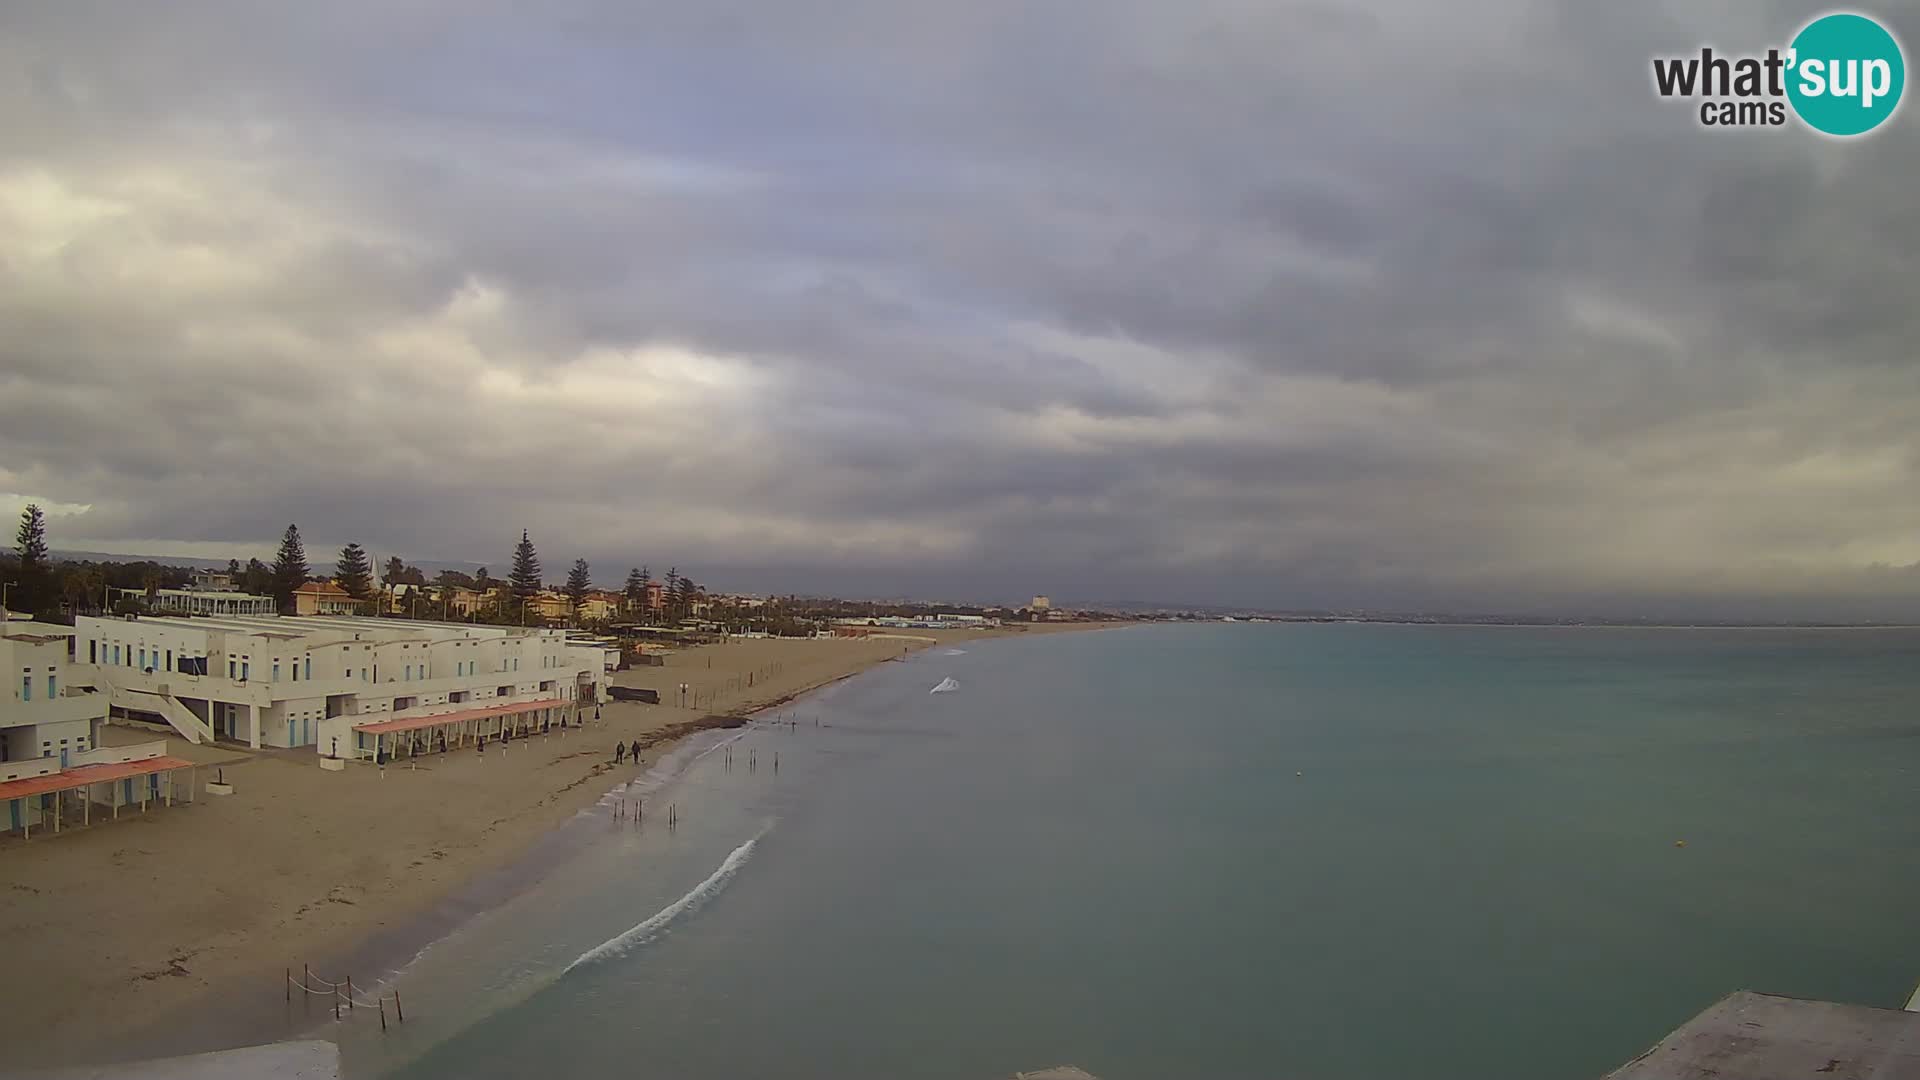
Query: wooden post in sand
[349,993]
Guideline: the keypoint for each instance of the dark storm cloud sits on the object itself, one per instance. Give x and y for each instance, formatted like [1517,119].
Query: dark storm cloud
[1289,303]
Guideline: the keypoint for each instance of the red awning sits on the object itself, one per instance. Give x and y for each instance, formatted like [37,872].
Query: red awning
[69,779]
[415,723]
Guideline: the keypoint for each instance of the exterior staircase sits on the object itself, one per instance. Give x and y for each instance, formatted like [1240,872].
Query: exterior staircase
[165,706]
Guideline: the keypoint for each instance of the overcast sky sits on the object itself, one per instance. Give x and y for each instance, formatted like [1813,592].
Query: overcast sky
[1390,303]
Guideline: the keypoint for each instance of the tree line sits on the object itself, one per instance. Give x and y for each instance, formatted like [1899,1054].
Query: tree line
[47,589]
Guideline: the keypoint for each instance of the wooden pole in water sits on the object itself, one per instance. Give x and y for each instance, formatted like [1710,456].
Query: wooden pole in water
[289,984]
[349,993]
[383,1014]
[397,1009]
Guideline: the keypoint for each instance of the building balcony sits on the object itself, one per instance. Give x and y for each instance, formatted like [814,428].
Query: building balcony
[59,710]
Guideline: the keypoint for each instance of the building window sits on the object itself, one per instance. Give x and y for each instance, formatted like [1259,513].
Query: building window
[309,667]
[296,671]
[233,667]
[26,688]
[243,670]
[349,673]
[143,659]
[52,687]
[93,650]
[276,671]
[169,659]
[116,656]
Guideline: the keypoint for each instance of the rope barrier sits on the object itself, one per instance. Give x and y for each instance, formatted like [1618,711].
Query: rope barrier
[340,992]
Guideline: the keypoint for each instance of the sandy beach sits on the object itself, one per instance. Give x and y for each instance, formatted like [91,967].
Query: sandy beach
[134,921]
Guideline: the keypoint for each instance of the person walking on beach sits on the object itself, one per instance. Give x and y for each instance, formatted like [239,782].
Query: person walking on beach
[619,752]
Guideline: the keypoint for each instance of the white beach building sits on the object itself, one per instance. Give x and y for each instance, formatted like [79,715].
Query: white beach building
[331,682]
[52,766]
[47,713]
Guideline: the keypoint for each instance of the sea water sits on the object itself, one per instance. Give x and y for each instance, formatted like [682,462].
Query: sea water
[1332,851]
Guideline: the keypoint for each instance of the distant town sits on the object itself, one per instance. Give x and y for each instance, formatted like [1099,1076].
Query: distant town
[48,585]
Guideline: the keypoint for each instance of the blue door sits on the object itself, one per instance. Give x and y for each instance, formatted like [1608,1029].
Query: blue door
[290,741]
[306,731]
[63,757]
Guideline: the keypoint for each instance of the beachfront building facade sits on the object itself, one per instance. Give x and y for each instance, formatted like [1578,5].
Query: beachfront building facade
[46,714]
[314,681]
[53,770]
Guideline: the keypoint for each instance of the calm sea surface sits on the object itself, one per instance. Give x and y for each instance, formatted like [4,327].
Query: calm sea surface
[1341,852]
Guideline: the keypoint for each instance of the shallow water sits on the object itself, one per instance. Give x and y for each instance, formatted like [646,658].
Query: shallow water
[1232,851]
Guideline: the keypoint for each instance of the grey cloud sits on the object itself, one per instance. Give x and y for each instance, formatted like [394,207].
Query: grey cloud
[1290,303]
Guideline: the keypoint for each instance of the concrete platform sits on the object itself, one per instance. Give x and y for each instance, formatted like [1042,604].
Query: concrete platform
[1748,1036]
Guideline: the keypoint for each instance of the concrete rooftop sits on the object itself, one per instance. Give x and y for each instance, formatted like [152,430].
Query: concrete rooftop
[1748,1036]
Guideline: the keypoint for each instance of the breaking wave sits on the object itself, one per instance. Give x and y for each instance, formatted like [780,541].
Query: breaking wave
[699,894]
[946,684]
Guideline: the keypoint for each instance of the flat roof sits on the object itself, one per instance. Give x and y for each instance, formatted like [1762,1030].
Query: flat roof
[1752,1036]
[414,723]
[83,775]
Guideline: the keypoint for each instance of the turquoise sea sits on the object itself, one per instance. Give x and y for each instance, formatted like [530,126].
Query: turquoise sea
[1352,852]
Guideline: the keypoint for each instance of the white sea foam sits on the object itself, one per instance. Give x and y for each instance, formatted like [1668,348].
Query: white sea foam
[699,894]
[954,652]
[946,685]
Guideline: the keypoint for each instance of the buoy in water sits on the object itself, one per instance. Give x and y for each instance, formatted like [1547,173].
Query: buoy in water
[1297,772]
[1679,843]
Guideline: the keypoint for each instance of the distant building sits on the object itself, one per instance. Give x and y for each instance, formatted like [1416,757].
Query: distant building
[199,602]
[549,605]
[1041,603]
[212,581]
[601,606]
[323,598]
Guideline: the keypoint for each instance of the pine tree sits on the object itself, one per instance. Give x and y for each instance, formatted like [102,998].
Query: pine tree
[671,593]
[353,572]
[579,583]
[525,576]
[646,593]
[395,573]
[289,567]
[256,578]
[685,596]
[482,584]
[33,592]
[636,590]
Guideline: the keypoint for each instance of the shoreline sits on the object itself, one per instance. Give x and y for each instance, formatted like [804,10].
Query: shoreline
[143,925]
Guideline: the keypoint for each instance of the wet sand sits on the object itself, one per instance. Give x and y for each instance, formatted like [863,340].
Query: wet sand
[119,928]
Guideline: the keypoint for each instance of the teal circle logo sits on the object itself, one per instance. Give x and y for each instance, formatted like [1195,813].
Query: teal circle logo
[1847,74]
